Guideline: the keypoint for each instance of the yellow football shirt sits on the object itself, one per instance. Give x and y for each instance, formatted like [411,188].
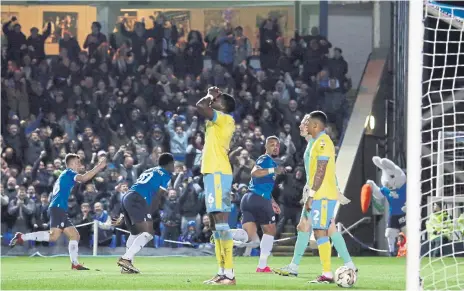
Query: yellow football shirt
[323,149]
[218,134]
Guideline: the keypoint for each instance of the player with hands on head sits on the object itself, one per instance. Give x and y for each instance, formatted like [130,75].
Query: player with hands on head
[59,220]
[217,108]
[136,208]
[258,206]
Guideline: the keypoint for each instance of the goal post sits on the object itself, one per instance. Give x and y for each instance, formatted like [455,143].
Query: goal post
[414,143]
[435,146]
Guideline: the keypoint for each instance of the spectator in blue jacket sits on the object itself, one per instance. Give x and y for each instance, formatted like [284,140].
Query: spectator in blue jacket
[226,49]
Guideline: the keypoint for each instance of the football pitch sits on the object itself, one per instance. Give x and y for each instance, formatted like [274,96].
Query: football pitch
[188,273]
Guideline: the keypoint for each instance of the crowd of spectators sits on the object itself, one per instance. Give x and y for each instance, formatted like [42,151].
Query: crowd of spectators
[130,96]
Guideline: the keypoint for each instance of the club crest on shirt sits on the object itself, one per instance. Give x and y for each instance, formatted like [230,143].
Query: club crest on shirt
[322,144]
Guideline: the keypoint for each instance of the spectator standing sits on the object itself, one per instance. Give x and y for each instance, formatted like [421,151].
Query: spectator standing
[179,138]
[71,45]
[105,230]
[21,210]
[94,39]
[15,38]
[36,42]
[189,204]
[171,218]
[41,217]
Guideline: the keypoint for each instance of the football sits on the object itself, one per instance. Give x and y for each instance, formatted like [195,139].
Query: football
[345,277]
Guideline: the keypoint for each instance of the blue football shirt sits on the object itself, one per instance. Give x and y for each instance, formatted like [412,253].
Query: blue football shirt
[150,181]
[263,186]
[395,204]
[62,189]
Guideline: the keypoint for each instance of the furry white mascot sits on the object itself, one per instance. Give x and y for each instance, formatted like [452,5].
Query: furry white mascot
[394,190]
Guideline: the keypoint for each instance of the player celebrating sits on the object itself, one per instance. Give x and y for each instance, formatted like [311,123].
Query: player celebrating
[217,176]
[258,206]
[59,220]
[136,207]
[323,196]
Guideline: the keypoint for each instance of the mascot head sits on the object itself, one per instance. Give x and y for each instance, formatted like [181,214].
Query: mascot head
[393,177]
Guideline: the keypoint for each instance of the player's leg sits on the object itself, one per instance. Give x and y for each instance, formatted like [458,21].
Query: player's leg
[210,201]
[340,245]
[138,219]
[321,216]
[57,222]
[73,246]
[249,220]
[391,234]
[267,242]
[218,203]
[304,229]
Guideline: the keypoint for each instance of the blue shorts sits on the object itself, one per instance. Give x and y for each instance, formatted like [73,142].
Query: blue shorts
[322,213]
[59,218]
[257,209]
[217,192]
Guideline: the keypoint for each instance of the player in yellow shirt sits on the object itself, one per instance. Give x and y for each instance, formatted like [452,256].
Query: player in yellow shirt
[217,177]
[323,196]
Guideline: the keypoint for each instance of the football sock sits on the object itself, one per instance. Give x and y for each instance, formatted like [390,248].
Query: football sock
[267,242]
[300,248]
[325,251]
[137,245]
[218,251]
[391,243]
[37,236]
[227,246]
[73,248]
[130,241]
[340,245]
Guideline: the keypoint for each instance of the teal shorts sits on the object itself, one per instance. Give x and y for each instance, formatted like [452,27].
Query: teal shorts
[218,189]
[322,213]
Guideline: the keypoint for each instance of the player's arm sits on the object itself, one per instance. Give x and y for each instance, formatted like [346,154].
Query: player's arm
[258,171]
[204,104]
[90,174]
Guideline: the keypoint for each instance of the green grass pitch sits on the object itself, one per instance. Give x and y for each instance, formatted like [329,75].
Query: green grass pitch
[188,273]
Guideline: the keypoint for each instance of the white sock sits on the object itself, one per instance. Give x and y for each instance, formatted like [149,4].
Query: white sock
[391,244]
[37,236]
[137,245]
[221,272]
[350,265]
[267,241]
[130,241]
[229,273]
[73,248]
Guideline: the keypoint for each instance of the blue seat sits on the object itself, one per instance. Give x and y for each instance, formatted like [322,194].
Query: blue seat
[255,252]
[123,240]
[113,241]
[7,237]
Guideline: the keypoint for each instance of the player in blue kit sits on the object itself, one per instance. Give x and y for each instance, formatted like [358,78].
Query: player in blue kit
[136,207]
[258,207]
[59,220]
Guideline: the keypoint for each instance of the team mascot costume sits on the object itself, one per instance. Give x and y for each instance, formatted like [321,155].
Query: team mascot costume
[394,190]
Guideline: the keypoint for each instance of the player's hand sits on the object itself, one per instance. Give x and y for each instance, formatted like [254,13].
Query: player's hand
[214,92]
[275,207]
[308,204]
[118,221]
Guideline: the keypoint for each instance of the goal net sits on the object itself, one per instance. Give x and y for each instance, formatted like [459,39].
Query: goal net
[436,229]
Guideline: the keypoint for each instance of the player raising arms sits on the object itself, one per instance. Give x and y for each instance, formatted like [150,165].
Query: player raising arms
[59,220]
[136,207]
[217,177]
[323,196]
[258,207]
